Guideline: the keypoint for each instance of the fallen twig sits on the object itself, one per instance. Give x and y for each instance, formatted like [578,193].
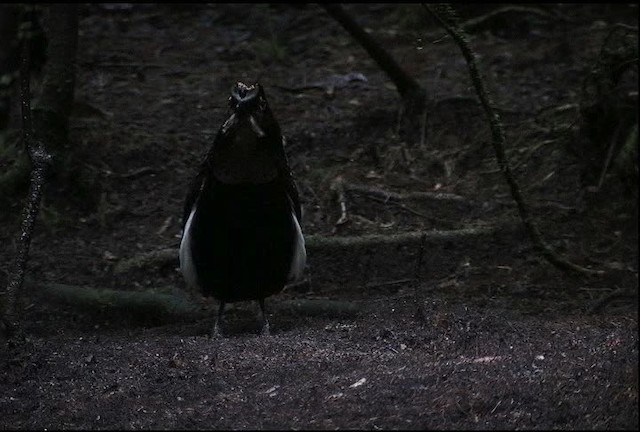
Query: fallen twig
[400,206]
[165,225]
[164,66]
[388,283]
[388,195]
[338,187]
[136,173]
[329,85]
[607,161]
[420,314]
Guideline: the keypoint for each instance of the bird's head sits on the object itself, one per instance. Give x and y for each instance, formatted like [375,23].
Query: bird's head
[248,146]
[248,105]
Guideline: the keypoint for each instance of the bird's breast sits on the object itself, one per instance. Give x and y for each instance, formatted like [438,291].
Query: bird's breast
[243,158]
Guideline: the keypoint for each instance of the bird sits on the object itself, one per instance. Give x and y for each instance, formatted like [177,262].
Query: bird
[241,224]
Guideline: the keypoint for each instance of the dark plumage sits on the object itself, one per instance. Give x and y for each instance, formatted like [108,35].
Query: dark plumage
[241,223]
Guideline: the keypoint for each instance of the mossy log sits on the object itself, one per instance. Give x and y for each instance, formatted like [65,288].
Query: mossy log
[143,306]
[320,243]
[151,307]
[334,260]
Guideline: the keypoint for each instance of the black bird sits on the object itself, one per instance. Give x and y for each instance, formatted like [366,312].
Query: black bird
[242,237]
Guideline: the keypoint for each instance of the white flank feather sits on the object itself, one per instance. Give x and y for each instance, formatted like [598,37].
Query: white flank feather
[299,258]
[186,261]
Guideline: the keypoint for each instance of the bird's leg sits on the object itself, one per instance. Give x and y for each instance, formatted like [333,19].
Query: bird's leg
[265,323]
[215,330]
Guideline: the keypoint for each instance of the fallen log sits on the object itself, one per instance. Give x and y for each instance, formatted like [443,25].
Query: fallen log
[319,243]
[155,308]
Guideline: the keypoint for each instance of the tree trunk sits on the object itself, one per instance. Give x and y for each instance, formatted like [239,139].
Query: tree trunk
[40,161]
[52,110]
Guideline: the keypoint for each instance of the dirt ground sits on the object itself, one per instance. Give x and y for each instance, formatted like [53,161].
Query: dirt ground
[506,341]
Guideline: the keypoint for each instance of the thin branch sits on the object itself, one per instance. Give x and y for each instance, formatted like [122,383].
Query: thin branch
[388,283]
[445,16]
[400,206]
[607,161]
[439,198]
[338,187]
[40,161]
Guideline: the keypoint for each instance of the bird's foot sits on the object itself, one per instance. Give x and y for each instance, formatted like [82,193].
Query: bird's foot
[264,331]
[215,332]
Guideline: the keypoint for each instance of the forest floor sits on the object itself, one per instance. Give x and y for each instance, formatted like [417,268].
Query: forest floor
[506,341]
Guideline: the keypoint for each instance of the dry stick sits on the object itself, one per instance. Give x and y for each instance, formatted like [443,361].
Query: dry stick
[607,161]
[387,283]
[498,140]
[399,205]
[385,195]
[338,186]
[40,161]
[417,295]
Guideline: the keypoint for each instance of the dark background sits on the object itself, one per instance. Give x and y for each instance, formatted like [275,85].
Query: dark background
[508,340]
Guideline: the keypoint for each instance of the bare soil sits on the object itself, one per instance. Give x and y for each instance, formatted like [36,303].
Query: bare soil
[506,341]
